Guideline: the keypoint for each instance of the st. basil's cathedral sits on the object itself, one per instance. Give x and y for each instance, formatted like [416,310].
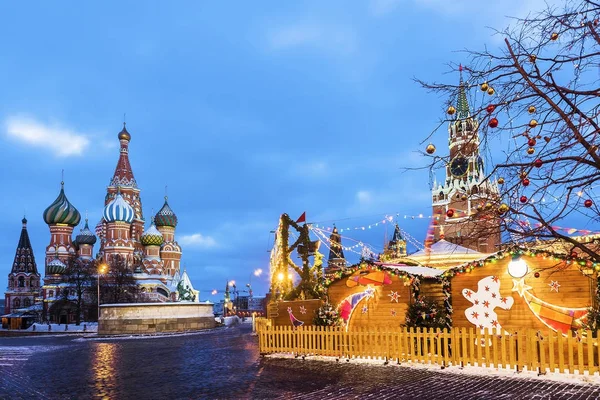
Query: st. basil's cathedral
[153,255]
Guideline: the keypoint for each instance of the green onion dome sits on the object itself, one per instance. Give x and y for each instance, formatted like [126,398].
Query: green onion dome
[152,237]
[86,236]
[56,267]
[165,216]
[61,211]
[118,210]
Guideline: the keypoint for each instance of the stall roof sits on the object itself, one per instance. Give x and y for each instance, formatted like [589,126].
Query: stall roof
[426,272]
[443,247]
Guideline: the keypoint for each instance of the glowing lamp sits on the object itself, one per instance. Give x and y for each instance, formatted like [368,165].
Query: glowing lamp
[517,268]
[280,276]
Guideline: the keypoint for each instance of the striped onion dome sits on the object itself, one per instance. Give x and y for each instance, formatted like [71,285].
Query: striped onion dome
[165,216]
[152,237]
[86,236]
[56,267]
[61,211]
[118,210]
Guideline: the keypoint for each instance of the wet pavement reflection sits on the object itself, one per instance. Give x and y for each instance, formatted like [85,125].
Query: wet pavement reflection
[225,364]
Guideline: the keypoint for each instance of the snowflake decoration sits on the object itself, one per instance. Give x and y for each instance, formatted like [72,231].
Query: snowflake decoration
[365,309]
[394,296]
[554,285]
[393,313]
[302,310]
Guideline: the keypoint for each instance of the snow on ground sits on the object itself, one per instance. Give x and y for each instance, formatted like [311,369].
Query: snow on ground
[229,321]
[85,327]
[468,370]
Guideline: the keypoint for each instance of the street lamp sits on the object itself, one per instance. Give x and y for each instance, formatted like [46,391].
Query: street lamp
[101,269]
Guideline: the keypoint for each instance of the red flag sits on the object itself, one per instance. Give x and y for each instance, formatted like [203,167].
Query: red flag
[302,218]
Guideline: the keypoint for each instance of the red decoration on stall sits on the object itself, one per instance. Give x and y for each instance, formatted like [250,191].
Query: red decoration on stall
[450,213]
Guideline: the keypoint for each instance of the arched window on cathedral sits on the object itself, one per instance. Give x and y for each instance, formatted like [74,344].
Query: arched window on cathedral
[21,281]
[26,302]
[16,303]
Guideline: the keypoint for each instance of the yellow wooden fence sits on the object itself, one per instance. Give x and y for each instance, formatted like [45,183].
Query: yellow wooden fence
[524,350]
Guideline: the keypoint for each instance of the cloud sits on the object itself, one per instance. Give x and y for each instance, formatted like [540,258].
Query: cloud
[382,7]
[312,169]
[62,142]
[364,196]
[336,39]
[198,240]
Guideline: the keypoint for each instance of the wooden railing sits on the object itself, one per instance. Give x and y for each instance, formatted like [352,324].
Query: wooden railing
[524,350]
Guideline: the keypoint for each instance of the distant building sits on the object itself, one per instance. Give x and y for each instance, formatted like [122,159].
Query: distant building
[23,284]
[336,261]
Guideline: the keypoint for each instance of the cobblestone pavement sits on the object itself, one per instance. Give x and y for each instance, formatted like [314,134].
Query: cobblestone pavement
[225,363]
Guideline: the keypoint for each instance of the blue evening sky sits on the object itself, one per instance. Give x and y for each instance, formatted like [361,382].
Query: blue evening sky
[246,110]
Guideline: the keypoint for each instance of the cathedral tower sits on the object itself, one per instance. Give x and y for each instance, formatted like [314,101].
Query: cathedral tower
[85,242]
[24,279]
[118,217]
[61,217]
[465,190]
[152,239]
[170,252]
[124,182]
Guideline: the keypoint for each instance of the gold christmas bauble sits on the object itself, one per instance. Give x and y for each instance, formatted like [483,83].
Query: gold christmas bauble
[484,87]
[451,110]
[533,123]
[530,150]
[523,175]
[532,58]
[501,180]
[488,205]
[531,109]
[503,209]
[463,197]
[491,91]
[554,36]
[430,148]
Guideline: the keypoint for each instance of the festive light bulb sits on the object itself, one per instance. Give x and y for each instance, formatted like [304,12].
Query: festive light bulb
[517,267]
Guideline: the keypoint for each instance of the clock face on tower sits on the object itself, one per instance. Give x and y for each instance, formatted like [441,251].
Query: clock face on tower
[459,166]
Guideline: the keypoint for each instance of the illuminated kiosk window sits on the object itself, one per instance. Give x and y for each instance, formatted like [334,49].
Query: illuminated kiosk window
[517,267]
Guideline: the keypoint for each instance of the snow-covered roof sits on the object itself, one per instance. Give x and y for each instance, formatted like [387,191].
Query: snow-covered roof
[426,272]
[444,247]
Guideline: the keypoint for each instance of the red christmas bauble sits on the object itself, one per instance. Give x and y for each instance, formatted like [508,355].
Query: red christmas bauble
[450,213]
[526,182]
[523,199]
[538,163]
[537,274]
[490,109]
[532,142]
[588,203]
[493,123]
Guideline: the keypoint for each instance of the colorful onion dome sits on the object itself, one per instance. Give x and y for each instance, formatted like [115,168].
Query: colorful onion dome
[152,237]
[118,210]
[165,216]
[56,267]
[124,135]
[86,236]
[61,211]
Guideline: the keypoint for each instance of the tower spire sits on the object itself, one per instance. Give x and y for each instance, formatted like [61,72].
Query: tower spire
[462,105]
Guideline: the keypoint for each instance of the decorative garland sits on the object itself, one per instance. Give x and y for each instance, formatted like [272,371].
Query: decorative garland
[517,251]
[446,290]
